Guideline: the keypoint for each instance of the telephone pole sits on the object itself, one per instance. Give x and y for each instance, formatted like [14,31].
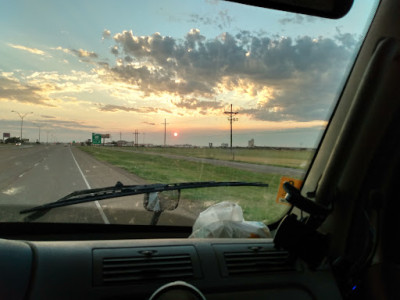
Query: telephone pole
[39,131]
[136,133]
[231,119]
[165,131]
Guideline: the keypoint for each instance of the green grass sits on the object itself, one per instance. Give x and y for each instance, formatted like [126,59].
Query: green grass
[257,203]
[299,159]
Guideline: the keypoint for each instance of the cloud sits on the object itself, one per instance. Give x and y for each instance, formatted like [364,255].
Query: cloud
[59,48]
[301,75]
[348,40]
[70,124]
[48,117]
[114,50]
[14,90]
[84,55]
[203,107]
[56,123]
[297,19]
[222,20]
[144,110]
[106,34]
[49,88]
[30,50]
[149,123]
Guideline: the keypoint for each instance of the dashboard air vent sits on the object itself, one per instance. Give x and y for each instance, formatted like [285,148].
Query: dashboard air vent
[253,260]
[136,265]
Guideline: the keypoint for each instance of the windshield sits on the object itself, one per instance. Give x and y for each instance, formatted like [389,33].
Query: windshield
[94,93]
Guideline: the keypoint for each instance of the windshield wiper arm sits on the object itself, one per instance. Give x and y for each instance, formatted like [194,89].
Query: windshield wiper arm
[120,190]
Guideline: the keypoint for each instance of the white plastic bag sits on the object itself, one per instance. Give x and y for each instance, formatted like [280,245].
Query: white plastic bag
[225,220]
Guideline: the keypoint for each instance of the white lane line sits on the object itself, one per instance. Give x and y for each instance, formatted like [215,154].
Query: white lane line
[104,217]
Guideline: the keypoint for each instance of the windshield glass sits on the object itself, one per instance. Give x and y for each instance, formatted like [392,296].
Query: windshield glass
[140,92]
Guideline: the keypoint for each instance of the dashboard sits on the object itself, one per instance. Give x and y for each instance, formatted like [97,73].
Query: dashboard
[136,268]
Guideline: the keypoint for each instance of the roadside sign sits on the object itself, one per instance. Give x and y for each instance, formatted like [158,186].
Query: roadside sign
[280,198]
[6,134]
[96,139]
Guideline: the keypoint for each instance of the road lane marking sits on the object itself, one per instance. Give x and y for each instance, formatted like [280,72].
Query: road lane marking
[102,214]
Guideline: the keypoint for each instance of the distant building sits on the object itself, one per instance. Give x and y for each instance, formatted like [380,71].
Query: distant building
[251,143]
[224,145]
[122,143]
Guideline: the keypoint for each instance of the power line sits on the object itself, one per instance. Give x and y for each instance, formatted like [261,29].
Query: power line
[231,119]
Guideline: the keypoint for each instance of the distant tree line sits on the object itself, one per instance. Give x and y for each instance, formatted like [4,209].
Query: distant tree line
[12,140]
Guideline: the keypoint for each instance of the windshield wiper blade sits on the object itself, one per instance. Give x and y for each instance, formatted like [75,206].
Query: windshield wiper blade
[120,190]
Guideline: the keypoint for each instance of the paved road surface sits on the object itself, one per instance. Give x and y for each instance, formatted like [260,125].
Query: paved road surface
[38,174]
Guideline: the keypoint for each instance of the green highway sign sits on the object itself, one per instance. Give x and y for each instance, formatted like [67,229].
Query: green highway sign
[96,139]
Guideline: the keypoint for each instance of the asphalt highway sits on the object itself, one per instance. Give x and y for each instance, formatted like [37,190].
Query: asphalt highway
[37,174]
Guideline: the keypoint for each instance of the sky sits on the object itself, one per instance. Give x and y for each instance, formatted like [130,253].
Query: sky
[75,67]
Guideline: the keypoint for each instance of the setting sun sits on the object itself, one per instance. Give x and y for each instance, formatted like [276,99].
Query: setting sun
[175,134]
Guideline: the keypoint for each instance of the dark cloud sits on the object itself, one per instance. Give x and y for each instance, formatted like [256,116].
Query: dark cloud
[114,108]
[48,117]
[70,124]
[12,89]
[202,107]
[222,20]
[84,55]
[128,59]
[114,50]
[149,123]
[347,39]
[297,19]
[302,74]
[55,123]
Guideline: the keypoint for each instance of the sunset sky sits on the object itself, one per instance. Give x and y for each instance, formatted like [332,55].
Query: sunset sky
[120,66]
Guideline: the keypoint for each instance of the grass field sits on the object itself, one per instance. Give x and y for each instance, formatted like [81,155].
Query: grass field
[298,159]
[257,203]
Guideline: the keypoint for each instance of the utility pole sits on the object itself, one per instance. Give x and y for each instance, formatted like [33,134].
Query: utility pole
[39,131]
[165,131]
[136,137]
[231,119]
[22,120]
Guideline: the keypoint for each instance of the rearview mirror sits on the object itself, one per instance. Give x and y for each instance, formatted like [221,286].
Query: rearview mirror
[332,9]
[161,201]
